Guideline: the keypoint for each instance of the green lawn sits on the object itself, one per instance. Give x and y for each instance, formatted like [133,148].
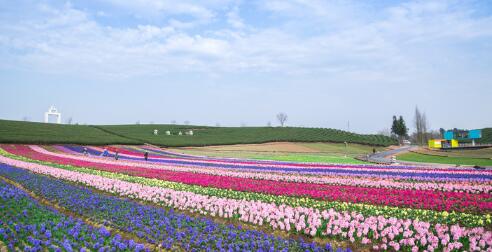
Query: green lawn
[311,158]
[416,157]
[294,157]
[339,149]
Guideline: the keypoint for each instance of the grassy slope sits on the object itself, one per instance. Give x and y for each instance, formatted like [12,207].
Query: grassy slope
[294,157]
[312,158]
[235,135]
[42,133]
[475,153]
[417,157]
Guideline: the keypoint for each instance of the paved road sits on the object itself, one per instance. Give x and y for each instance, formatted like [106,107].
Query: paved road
[385,156]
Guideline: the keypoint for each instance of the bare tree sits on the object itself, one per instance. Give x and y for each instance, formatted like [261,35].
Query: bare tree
[269,124]
[282,118]
[173,122]
[25,118]
[186,122]
[421,127]
[69,120]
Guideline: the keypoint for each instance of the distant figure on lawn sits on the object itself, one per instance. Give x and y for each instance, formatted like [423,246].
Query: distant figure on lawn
[146,155]
[116,156]
[86,153]
[373,150]
[105,152]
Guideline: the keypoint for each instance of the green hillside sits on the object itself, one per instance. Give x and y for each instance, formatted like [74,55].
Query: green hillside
[42,133]
[240,135]
[47,133]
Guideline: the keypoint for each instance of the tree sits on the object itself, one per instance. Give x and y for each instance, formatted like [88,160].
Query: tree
[394,126]
[402,128]
[69,120]
[282,118]
[186,122]
[399,128]
[269,124]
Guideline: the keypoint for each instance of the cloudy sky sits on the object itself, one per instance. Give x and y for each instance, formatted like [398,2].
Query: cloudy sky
[324,63]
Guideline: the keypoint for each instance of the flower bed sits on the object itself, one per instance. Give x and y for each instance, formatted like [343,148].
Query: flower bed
[377,230]
[26,225]
[425,199]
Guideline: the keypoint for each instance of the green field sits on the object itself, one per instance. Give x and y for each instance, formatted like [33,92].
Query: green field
[313,152]
[204,136]
[312,158]
[417,157]
[43,133]
[291,157]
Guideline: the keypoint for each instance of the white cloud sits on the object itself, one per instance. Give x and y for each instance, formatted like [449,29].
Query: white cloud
[393,45]
[234,19]
[197,9]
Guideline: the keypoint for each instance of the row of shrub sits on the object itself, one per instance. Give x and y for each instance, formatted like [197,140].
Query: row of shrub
[242,135]
[43,133]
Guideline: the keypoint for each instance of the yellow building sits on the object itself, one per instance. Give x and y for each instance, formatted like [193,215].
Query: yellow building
[443,143]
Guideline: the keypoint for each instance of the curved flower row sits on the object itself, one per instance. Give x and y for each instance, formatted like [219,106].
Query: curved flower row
[469,220]
[392,197]
[28,226]
[470,174]
[138,152]
[468,187]
[376,230]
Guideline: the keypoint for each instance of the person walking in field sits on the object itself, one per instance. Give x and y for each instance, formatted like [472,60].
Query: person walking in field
[85,152]
[146,155]
[105,153]
[116,155]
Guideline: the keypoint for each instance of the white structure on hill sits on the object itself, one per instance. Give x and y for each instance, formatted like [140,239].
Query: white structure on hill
[52,111]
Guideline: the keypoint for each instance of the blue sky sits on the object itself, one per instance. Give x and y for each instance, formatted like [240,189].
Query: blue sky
[241,62]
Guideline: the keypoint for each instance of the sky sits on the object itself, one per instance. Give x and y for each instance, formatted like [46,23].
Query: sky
[331,64]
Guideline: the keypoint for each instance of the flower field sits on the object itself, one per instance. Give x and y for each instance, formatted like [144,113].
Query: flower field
[195,203]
